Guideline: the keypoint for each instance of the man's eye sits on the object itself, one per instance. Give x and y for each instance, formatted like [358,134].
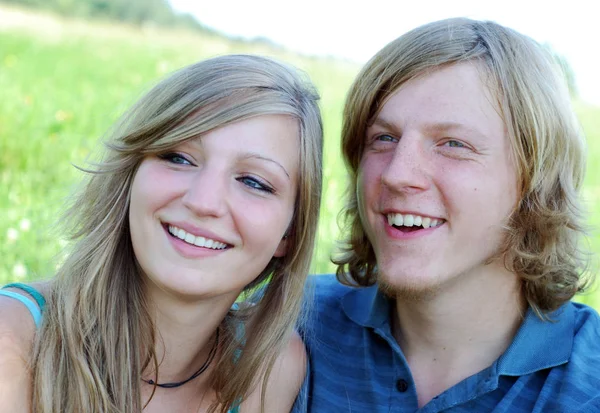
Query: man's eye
[386,138]
[175,158]
[254,183]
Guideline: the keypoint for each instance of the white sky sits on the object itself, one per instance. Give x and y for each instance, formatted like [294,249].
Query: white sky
[338,28]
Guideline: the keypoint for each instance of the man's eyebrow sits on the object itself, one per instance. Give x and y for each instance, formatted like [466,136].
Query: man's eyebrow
[431,127]
[252,155]
[382,122]
[454,126]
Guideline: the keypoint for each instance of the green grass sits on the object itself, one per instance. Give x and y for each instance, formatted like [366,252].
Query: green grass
[590,121]
[65,82]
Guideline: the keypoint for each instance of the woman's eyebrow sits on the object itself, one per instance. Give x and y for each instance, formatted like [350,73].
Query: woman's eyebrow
[252,155]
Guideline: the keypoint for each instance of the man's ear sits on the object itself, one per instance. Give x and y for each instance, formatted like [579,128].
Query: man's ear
[282,247]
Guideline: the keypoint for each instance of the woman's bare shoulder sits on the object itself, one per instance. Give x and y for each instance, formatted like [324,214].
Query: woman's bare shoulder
[284,381]
[17,327]
[17,331]
[291,363]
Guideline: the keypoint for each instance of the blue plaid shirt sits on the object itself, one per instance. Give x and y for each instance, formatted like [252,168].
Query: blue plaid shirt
[355,365]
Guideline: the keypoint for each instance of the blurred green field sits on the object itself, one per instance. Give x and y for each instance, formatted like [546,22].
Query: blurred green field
[64,82]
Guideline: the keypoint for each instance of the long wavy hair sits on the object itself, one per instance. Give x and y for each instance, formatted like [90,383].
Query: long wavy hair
[97,335]
[543,242]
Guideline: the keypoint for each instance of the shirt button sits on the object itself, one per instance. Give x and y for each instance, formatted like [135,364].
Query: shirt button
[401,385]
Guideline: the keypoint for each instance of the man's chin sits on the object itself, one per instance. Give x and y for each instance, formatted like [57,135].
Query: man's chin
[408,290]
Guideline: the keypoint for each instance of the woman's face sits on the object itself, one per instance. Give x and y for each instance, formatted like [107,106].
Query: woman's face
[207,217]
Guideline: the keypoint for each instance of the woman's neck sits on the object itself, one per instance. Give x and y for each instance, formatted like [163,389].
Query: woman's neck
[185,336]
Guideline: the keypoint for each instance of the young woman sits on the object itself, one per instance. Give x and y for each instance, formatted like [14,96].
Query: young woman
[210,186]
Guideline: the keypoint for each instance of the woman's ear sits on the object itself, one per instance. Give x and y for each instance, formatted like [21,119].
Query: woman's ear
[282,247]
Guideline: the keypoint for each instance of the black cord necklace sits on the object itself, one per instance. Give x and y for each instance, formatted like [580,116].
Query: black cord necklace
[202,369]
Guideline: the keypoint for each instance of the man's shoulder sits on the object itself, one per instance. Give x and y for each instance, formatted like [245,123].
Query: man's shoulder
[586,335]
[326,287]
[324,299]
[578,382]
[586,317]
[326,294]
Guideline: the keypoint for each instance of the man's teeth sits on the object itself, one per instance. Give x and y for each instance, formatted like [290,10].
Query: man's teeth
[409,220]
[197,241]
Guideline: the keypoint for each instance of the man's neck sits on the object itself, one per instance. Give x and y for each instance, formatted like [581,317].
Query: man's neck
[459,330]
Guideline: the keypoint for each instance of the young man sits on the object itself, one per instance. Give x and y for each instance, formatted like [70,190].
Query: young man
[464,224]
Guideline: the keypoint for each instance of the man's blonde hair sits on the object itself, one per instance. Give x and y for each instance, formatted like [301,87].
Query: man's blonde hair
[544,232]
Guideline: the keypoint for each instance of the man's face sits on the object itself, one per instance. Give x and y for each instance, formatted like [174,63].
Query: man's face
[436,182]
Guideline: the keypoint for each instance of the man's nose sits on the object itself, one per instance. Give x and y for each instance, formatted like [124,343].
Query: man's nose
[408,168]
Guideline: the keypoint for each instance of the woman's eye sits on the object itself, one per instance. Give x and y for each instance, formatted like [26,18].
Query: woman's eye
[255,184]
[455,144]
[175,158]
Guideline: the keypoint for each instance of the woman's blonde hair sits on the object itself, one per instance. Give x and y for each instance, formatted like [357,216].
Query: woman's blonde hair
[97,336]
[543,235]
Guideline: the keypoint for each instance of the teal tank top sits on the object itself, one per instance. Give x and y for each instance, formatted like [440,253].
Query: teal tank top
[35,304]
[36,308]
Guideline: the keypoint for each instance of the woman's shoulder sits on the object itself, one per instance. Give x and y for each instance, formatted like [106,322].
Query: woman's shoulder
[17,323]
[284,381]
[17,326]
[17,332]
[292,360]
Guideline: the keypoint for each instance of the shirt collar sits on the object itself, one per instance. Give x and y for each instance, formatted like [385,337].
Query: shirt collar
[537,345]
[540,344]
[367,306]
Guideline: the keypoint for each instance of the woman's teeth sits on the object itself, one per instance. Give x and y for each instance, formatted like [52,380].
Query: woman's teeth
[194,240]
